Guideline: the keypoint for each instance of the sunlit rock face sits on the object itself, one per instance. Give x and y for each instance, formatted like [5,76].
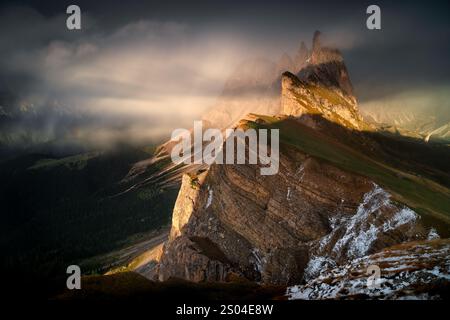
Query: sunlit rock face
[314,81]
[300,98]
[311,82]
[321,87]
[254,86]
[232,222]
[328,67]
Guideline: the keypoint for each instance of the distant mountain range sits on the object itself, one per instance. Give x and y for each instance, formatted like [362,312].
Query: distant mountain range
[429,125]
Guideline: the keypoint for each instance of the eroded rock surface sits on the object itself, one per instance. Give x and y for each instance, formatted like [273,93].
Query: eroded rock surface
[230,221]
[416,270]
[299,98]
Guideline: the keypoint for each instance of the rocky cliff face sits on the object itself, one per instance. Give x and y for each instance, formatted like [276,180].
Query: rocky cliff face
[321,87]
[314,81]
[254,87]
[416,270]
[299,97]
[301,58]
[326,67]
[231,222]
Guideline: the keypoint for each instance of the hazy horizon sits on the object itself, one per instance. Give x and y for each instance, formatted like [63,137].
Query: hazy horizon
[137,71]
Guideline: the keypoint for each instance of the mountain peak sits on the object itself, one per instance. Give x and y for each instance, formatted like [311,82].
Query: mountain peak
[316,40]
[300,96]
[254,85]
[285,63]
[301,58]
[322,54]
[325,66]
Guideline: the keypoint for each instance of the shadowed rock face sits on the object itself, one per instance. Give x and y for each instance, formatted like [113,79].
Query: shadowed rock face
[230,221]
[300,60]
[326,66]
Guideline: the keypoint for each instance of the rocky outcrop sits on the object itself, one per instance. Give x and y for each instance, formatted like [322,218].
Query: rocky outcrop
[232,222]
[285,64]
[416,270]
[254,87]
[313,82]
[301,58]
[326,67]
[299,98]
[321,87]
[229,222]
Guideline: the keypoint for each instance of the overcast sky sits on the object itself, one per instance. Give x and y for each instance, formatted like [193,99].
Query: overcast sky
[164,63]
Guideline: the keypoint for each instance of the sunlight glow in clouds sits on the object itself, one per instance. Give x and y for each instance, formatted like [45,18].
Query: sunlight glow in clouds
[145,68]
[159,72]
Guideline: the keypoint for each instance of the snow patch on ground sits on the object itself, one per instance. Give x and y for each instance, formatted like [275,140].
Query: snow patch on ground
[300,171]
[405,270]
[402,217]
[437,272]
[258,259]
[362,241]
[210,198]
[362,229]
[433,234]
[357,238]
[288,195]
[316,265]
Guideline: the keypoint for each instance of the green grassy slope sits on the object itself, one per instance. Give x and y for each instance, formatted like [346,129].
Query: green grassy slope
[427,197]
